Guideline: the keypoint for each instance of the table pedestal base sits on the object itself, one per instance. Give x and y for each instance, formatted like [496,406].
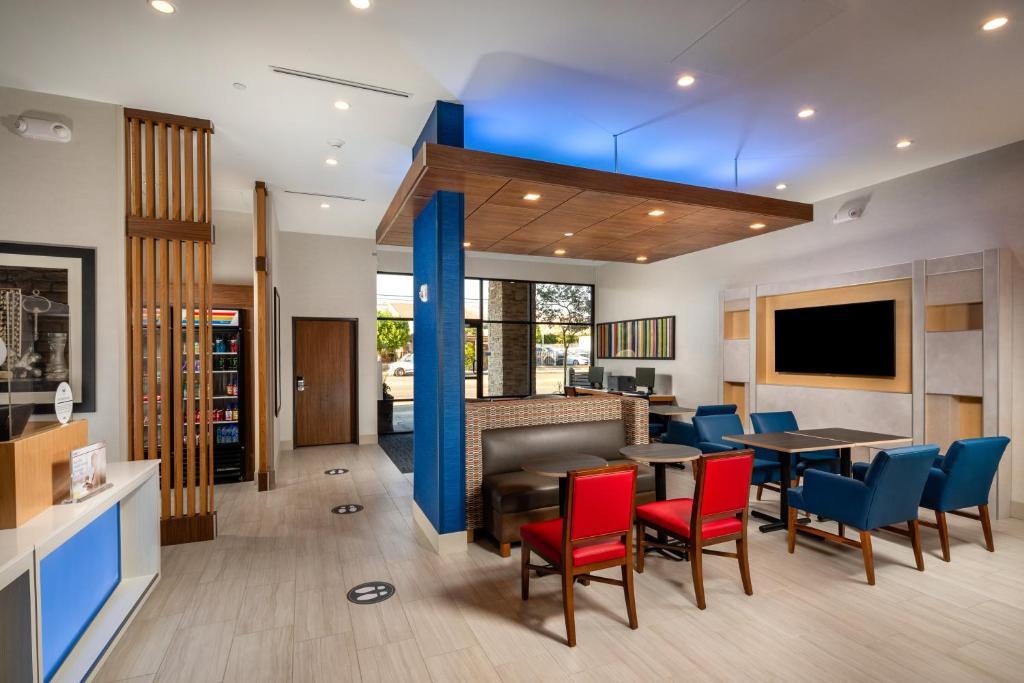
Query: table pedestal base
[775,524]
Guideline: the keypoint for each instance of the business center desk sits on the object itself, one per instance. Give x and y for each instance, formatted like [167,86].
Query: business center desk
[74,575]
[586,391]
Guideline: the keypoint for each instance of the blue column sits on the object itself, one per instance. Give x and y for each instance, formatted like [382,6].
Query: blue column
[439,459]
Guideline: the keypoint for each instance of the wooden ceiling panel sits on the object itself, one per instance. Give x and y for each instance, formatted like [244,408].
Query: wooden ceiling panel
[551,196]
[609,213]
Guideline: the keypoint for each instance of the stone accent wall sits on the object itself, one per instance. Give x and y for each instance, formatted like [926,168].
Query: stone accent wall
[483,415]
[508,365]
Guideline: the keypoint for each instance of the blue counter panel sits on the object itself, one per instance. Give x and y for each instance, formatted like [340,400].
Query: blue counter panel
[75,581]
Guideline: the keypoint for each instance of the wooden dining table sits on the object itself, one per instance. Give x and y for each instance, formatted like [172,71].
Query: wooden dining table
[804,441]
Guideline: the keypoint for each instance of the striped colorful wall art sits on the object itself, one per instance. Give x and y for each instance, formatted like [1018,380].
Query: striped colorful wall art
[645,339]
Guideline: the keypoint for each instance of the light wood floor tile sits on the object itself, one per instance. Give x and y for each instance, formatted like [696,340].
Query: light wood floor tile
[214,602]
[466,666]
[321,612]
[141,649]
[399,661]
[197,654]
[326,660]
[266,606]
[262,656]
[438,626]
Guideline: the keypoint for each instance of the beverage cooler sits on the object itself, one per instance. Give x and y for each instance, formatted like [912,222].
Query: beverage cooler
[229,418]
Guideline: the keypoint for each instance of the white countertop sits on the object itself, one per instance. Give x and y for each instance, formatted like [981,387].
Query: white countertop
[59,519]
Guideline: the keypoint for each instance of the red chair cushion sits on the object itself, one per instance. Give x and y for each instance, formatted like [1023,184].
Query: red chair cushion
[602,504]
[546,539]
[674,516]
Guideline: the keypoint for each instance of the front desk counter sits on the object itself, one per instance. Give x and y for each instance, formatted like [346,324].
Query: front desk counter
[73,576]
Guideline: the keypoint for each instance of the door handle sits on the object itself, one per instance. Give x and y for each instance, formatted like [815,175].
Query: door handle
[300,384]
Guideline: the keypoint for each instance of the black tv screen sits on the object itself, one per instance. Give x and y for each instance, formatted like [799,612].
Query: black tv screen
[847,339]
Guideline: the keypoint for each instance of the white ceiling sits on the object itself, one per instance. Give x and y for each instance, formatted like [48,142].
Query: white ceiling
[548,80]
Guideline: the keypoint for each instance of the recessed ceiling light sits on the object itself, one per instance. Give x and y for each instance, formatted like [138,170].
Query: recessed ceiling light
[341,105]
[903,144]
[641,259]
[559,252]
[686,80]
[656,213]
[995,23]
[360,4]
[531,196]
[331,162]
[806,113]
[165,7]
[325,205]
[568,234]
[238,85]
[781,186]
[756,226]
[467,244]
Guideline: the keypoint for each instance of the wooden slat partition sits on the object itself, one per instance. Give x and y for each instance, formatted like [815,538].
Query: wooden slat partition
[264,429]
[169,235]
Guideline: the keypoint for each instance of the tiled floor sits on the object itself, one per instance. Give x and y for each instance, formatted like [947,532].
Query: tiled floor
[266,602]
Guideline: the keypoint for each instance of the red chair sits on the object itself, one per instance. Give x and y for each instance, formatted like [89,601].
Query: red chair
[598,535]
[716,514]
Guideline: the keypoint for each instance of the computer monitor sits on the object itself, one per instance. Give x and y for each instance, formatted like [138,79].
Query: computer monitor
[596,376]
[645,378]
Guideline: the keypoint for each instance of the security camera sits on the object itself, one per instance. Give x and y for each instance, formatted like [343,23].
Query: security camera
[851,210]
[41,129]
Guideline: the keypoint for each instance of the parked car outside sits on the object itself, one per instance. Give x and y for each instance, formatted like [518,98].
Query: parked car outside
[402,367]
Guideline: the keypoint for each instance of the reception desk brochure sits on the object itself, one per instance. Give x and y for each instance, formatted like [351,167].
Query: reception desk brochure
[88,471]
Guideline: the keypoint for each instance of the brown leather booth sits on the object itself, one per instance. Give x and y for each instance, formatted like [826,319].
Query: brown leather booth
[512,497]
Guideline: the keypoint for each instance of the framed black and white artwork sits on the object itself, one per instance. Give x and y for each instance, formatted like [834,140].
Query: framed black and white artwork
[48,323]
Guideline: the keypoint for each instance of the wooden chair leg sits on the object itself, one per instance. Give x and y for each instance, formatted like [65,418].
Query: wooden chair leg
[696,565]
[627,588]
[940,521]
[567,606]
[915,540]
[741,555]
[525,572]
[641,536]
[869,557]
[505,549]
[986,526]
[791,529]
[760,490]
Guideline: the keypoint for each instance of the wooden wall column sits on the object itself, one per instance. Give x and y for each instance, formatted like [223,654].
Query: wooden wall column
[169,267]
[264,384]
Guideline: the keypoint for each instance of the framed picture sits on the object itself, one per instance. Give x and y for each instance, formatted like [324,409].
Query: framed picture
[48,322]
[643,339]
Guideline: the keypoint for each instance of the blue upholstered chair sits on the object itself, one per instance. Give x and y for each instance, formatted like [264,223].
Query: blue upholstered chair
[785,421]
[684,433]
[961,479]
[888,494]
[710,430]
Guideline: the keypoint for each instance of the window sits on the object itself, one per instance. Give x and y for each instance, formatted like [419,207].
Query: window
[521,337]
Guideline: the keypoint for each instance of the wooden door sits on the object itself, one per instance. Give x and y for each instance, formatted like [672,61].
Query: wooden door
[324,378]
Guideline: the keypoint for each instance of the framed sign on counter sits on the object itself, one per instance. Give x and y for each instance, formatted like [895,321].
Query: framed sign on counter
[642,339]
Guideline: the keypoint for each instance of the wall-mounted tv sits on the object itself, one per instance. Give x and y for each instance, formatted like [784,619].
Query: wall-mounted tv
[845,339]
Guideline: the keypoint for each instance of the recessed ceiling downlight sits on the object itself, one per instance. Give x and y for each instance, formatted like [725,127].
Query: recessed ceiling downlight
[559,252]
[995,23]
[325,205]
[531,196]
[360,4]
[568,234]
[903,144]
[656,213]
[342,105]
[641,259]
[686,80]
[757,226]
[781,186]
[163,6]
[467,245]
[331,162]
[806,113]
